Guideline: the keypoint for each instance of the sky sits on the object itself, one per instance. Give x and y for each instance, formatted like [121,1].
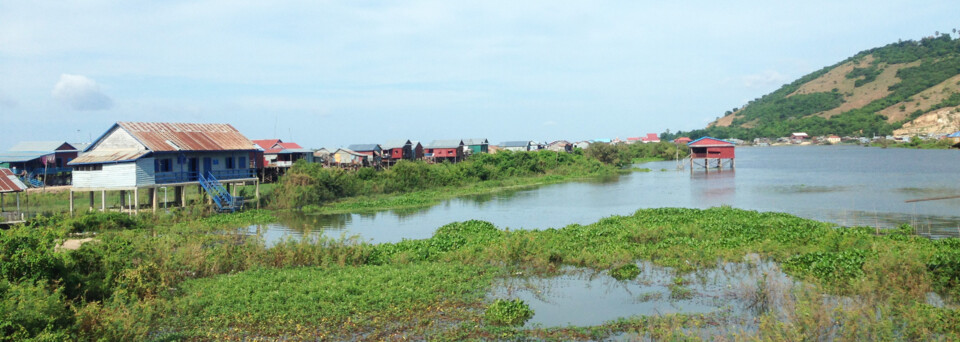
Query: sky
[330,74]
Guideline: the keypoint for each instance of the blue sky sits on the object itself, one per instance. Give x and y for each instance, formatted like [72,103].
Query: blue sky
[329,74]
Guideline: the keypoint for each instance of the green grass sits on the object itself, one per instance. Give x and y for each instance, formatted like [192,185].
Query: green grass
[169,277]
[334,302]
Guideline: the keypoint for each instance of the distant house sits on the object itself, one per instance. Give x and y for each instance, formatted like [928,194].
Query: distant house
[632,140]
[10,184]
[560,146]
[581,144]
[45,160]
[137,155]
[712,152]
[397,150]
[322,156]
[682,140]
[799,137]
[279,154]
[516,145]
[374,151]
[444,150]
[605,141]
[417,148]
[954,137]
[345,157]
[651,138]
[833,139]
[477,145]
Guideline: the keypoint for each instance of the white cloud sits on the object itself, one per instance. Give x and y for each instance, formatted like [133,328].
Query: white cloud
[81,93]
[764,79]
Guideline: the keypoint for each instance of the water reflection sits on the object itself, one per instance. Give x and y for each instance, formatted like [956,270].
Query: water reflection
[583,297]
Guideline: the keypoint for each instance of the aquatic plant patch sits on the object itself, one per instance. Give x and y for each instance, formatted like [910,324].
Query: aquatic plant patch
[324,302]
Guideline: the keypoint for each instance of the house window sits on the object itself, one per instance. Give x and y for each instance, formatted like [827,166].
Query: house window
[229,162]
[162,165]
[243,162]
[193,165]
[94,167]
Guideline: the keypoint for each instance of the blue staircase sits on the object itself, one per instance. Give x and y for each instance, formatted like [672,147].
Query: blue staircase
[31,180]
[221,198]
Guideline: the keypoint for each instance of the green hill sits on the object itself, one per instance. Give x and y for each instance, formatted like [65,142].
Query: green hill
[876,91]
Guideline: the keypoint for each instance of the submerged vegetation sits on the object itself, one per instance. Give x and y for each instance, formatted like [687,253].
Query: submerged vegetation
[161,278]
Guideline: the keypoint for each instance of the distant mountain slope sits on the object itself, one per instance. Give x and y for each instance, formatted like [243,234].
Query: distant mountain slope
[876,91]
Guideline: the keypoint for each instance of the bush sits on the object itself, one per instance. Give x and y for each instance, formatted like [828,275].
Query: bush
[508,312]
[625,272]
[30,310]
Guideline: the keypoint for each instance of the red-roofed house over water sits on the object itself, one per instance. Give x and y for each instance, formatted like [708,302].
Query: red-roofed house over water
[279,156]
[712,151]
[152,156]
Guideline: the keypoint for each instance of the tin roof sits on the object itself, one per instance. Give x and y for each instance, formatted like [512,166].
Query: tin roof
[42,146]
[475,141]
[267,144]
[445,144]
[19,157]
[394,144]
[709,142]
[363,147]
[515,144]
[349,151]
[110,156]
[9,182]
[163,136]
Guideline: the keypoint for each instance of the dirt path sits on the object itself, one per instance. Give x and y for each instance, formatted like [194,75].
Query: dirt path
[72,244]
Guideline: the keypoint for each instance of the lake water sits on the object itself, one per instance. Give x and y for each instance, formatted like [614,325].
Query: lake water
[848,185]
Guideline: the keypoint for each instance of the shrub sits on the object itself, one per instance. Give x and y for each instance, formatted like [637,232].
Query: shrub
[625,272]
[508,312]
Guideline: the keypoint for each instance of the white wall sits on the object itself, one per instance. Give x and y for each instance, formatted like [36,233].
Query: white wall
[120,175]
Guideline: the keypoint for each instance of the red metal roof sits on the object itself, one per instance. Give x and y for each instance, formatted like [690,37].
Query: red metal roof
[9,182]
[267,144]
[289,145]
[710,142]
[162,136]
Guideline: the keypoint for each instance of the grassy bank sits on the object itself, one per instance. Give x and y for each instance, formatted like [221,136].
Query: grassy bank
[161,278]
[418,183]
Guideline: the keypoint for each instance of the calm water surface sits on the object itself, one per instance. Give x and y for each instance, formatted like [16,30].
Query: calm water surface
[843,184]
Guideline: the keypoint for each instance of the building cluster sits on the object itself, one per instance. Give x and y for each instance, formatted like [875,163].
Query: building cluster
[136,157]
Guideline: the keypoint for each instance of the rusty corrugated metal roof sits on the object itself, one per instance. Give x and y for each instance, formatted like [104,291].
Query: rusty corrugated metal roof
[162,136]
[9,182]
[100,157]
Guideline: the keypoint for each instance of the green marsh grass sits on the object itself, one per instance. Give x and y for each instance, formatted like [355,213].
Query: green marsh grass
[182,277]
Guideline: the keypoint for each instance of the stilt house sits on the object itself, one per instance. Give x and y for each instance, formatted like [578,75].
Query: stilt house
[131,156]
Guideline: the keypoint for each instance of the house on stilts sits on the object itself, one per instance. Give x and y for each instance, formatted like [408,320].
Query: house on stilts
[710,152]
[142,156]
[10,184]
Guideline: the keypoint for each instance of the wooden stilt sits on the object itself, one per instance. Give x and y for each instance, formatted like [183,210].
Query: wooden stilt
[123,200]
[92,205]
[153,198]
[178,196]
[136,201]
[103,200]
[258,193]
[71,202]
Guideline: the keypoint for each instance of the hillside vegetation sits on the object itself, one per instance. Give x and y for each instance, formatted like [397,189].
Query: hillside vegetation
[875,91]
